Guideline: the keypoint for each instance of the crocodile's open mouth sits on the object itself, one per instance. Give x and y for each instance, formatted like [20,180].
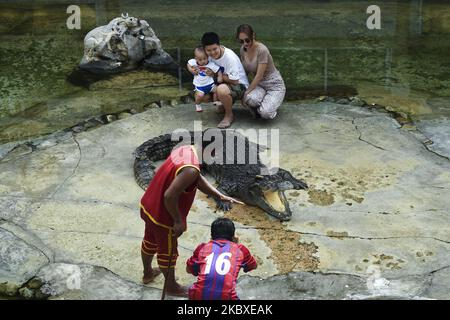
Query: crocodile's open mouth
[273,199]
[275,204]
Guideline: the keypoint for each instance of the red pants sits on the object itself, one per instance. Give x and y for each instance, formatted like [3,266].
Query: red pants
[159,240]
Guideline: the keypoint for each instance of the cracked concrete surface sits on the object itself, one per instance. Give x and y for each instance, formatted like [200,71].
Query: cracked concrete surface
[375,220]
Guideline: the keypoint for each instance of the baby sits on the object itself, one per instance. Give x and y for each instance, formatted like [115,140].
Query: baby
[203,83]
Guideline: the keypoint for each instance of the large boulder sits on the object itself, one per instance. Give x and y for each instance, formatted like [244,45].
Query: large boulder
[19,262]
[88,282]
[121,45]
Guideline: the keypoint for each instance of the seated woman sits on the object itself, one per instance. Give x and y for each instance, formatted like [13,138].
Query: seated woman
[266,92]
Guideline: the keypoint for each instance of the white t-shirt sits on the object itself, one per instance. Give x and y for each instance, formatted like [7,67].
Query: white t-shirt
[232,66]
[202,79]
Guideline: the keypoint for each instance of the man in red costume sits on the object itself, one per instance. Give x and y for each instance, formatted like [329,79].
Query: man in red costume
[164,208]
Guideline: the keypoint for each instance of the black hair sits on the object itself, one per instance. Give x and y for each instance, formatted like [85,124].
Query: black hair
[222,228]
[247,29]
[210,38]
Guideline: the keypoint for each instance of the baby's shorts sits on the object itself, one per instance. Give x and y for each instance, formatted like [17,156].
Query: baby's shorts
[206,89]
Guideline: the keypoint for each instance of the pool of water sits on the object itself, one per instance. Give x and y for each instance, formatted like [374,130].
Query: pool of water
[320,47]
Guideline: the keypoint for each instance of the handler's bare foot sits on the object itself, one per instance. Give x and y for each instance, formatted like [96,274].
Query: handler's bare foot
[147,278]
[177,291]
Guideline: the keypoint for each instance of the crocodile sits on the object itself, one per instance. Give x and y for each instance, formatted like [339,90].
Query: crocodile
[247,179]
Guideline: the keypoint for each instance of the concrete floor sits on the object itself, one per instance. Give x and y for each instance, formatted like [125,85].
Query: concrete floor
[374,223]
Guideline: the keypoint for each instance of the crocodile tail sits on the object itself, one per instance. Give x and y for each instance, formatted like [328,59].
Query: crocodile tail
[143,172]
[155,149]
[158,148]
[146,154]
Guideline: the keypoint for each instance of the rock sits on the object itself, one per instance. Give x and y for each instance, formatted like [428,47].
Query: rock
[101,119]
[124,115]
[12,209]
[388,108]
[164,103]
[19,262]
[174,102]
[6,148]
[18,151]
[34,283]
[9,289]
[26,293]
[151,106]
[357,102]
[437,134]
[409,126]
[187,99]
[162,58]
[52,139]
[121,45]
[301,285]
[322,98]
[139,108]
[86,282]
[111,117]
[78,129]
[40,295]
[47,144]
[343,101]
[440,285]
[91,123]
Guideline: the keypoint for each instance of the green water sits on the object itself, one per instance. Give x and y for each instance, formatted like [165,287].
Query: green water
[320,47]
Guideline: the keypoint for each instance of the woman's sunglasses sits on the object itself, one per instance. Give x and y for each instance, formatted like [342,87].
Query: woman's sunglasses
[246,40]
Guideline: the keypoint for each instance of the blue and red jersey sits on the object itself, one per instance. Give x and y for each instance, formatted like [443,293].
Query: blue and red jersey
[217,264]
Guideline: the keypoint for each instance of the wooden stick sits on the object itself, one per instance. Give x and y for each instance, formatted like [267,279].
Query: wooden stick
[163,295]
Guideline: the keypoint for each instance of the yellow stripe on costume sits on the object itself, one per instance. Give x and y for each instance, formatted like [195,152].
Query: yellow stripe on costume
[153,219]
[149,248]
[167,255]
[173,260]
[149,254]
[186,165]
[169,236]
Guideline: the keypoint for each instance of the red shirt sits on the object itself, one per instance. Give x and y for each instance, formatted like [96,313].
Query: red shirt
[152,201]
[217,264]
